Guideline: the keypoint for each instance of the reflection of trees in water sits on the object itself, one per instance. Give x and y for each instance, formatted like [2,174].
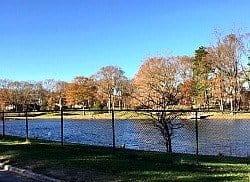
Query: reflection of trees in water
[90,132]
[138,134]
[228,137]
[223,136]
[184,138]
[209,130]
[144,135]
[216,131]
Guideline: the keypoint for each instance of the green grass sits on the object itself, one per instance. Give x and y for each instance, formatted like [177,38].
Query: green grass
[118,115]
[91,115]
[85,163]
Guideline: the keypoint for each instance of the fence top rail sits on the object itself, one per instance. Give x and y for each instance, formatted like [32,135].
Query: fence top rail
[130,110]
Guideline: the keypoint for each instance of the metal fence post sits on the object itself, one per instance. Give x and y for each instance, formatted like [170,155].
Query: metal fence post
[27,125]
[3,119]
[113,129]
[61,126]
[196,133]
[83,109]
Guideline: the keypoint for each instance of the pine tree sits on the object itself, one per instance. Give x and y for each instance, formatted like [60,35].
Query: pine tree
[201,68]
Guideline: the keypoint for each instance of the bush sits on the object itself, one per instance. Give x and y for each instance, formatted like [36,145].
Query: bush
[99,108]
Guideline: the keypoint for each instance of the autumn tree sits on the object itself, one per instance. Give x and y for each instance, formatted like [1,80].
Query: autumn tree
[14,89]
[186,92]
[81,91]
[110,80]
[186,83]
[124,93]
[70,94]
[20,94]
[5,94]
[156,87]
[227,60]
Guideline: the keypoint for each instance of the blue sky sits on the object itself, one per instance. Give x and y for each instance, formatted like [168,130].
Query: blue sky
[61,39]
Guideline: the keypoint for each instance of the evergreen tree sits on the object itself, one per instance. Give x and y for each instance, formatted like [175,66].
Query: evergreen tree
[201,67]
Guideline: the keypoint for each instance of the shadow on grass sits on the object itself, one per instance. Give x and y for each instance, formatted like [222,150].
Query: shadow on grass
[126,165]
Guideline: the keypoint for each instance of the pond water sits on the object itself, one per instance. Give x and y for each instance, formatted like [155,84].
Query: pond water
[231,137]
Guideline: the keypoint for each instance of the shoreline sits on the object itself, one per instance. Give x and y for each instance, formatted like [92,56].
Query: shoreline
[130,115]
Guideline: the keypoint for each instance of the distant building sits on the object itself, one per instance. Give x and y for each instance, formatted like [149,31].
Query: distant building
[10,107]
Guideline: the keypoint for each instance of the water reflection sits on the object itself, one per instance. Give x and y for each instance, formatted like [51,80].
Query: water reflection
[215,136]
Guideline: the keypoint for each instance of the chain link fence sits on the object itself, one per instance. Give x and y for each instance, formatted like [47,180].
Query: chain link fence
[204,133]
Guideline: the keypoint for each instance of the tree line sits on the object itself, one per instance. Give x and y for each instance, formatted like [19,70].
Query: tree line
[216,76]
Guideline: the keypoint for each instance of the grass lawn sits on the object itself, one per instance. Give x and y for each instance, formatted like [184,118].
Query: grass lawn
[121,115]
[88,163]
[228,115]
[78,115]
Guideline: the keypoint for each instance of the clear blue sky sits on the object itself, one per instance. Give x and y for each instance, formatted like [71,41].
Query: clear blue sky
[61,39]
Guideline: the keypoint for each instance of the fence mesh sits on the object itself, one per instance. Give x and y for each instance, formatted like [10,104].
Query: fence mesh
[213,133]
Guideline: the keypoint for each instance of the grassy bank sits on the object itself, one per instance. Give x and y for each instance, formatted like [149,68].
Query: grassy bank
[86,163]
[230,116]
[77,115]
[121,115]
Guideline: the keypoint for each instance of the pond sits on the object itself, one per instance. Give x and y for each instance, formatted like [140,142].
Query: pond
[230,137]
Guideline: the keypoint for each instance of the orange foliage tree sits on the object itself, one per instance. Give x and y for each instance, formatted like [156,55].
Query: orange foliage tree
[82,91]
[156,87]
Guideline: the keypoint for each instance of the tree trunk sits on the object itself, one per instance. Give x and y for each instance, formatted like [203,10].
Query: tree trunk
[169,144]
[221,104]
[231,104]
[120,104]
[168,140]
[109,104]
[113,104]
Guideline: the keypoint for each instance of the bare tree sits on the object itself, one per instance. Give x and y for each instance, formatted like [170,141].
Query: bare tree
[27,94]
[49,86]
